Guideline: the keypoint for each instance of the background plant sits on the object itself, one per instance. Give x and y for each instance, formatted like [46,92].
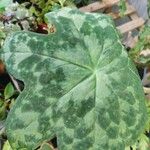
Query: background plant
[140,53]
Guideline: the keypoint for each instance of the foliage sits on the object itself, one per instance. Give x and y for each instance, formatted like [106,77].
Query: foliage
[15,17]
[122,7]
[4,3]
[5,100]
[9,91]
[140,53]
[80,85]
[7,146]
[40,7]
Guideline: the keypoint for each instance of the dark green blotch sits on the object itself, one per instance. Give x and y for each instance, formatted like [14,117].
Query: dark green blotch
[17,124]
[40,47]
[44,124]
[112,132]
[22,38]
[51,46]
[70,118]
[32,44]
[117,146]
[128,96]
[28,63]
[21,144]
[86,29]
[83,144]
[39,104]
[67,139]
[68,28]
[52,83]
[109,33]
[59,75]
[26,108]
[85,106]
[46,78]
[104,146]
[113,102]
[43,66]
[82,131]
[98,30]
[72,12]
[52,90]
[130,117]
[103,118]
[115,115]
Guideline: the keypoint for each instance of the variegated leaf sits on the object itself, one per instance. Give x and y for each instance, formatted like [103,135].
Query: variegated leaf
[80,85]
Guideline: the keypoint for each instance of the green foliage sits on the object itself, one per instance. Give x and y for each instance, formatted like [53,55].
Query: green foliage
[5,30]
[9,91]
[80,86]
[7,146]
[40,7]
[15,18]
[122,7]
[4,3]
[140,53]
[5,100]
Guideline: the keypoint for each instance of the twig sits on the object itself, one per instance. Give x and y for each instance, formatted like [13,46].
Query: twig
[15,83]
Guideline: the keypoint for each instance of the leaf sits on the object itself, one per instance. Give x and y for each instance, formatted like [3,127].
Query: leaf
[62,2]
[140,53]
[128,148]
[122,7]
[9,91]
[7,146]
[144,142]
[4,3]
[2,110]
[80,85]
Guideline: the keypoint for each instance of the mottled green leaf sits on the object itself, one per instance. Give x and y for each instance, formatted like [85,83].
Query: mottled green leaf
[80,86]
[9,91]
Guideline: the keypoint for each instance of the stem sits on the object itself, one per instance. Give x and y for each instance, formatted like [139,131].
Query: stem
[15,83]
